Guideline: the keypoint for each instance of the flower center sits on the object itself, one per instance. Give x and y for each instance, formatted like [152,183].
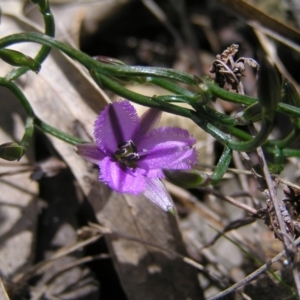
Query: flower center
[127,154]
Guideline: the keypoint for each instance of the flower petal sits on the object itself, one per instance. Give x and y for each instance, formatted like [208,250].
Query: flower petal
[115,126]
[149,120]
[167,148]
[90,152]
[121,178]
[157,193]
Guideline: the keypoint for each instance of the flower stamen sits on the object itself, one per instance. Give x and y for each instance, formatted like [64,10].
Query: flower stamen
[127,154]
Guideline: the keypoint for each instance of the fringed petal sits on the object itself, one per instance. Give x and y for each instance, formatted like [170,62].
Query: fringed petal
[167,148]
[115,125]
[90,152]
[120,178]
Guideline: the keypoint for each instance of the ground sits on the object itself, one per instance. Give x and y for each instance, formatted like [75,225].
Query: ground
[65,235]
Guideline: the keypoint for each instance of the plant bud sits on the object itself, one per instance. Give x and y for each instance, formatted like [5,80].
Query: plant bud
[11,151]
[18,59]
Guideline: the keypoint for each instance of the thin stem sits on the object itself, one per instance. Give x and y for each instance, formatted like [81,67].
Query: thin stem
[216,117]
[290,110]
[29,130]
[244,146]
[288,140]
[99,69]
[45,50]
[195,100]
[32,120]
[208,88]
[214,131]
[29,126]
[90,63]
[222,166]
[170,86]
[212,90]
[57,133]
[139,99]
[238,133]
[19,95]
[284,152]
[178,98]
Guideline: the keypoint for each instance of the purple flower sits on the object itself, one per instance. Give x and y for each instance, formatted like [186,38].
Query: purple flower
[131,153]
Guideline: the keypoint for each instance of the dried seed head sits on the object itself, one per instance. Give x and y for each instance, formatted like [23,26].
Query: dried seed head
[228,73]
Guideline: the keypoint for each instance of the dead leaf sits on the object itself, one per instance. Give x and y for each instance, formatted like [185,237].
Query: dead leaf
[3,293]
[144,243]
[18,198]
[247,11]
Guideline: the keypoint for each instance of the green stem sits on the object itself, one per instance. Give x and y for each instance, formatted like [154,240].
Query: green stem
[240,134]
[19,95]
[176,98]
[218,118]
[167,107]
[29,130]
[57,133]
[288,109]
[221,167]
[216,91]
[105,81]
[170,86]
[32,120]
[244,146]
[90,63]
[284,152]
[123,71]
[45,50]
[98,70]
[29,126]
[291,152]
[288,140]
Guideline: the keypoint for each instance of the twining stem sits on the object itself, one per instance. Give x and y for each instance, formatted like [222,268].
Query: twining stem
[170,86]
[19,95]
[217,92]
[149,72]
[244,146]
[90,63]
[288,140]
[222,166]
[103,80]
[57,133]
[99,69]
[284,152]
[45,50]
[32,121]
[167,107]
